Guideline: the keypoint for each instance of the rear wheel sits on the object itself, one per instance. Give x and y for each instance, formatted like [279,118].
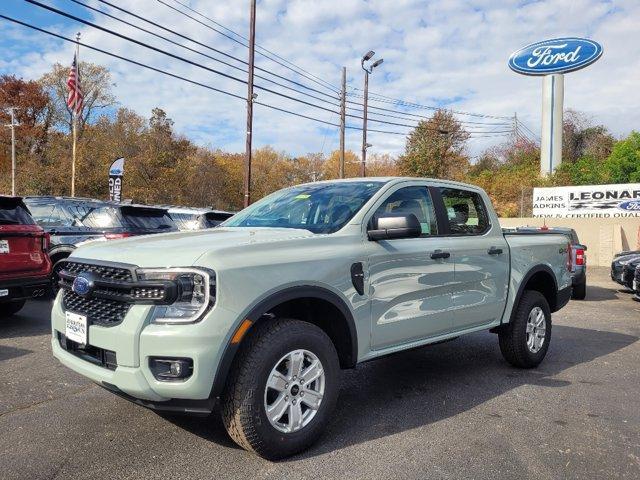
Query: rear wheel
[580,290]
[11,308]
[282,389]
[525,340]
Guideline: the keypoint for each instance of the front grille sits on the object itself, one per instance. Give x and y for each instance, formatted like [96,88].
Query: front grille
[96,355]
[116,274]
[99,311]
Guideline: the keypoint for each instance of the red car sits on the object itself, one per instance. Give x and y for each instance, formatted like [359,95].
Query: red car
[25,267]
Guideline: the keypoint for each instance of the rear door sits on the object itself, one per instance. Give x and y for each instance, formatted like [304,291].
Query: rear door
[410,287]
[21,240]
[481,258]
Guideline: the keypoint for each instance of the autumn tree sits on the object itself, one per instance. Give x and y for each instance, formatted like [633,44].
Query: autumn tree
[436,148]
[96,83]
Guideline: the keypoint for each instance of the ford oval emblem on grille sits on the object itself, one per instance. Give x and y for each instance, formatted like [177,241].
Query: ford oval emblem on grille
[82,285]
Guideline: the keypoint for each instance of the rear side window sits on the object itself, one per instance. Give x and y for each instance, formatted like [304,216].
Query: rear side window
[466,212]
[416,200]
[12,213]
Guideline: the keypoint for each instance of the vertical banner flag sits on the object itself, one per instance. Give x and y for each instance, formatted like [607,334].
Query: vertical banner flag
[115,180]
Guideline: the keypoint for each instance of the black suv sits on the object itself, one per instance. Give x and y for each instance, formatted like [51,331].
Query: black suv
[73,221]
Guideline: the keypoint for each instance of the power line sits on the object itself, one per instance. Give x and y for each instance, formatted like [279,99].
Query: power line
[225,54]
[169,54]
[308,76]
[384,99]
[78,2]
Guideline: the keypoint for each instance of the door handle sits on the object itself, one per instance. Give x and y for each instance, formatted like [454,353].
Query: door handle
[440,254]
[494,251]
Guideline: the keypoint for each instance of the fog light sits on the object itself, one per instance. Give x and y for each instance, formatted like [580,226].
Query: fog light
[169,369]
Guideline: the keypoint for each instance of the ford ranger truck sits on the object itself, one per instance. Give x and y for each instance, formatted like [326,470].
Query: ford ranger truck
[262,312]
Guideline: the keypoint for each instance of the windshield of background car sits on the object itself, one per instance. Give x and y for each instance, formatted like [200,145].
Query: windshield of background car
[130,218]
[319,208]
[186,221]
[13,213]
[59,214]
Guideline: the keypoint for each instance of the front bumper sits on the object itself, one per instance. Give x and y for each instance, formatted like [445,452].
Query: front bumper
[24,288]
[135,341]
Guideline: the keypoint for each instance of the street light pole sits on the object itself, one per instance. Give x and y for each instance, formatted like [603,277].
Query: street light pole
[363,163]
[250,98]
[365,105]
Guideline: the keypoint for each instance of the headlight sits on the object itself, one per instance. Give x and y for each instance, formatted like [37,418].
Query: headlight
[195,293]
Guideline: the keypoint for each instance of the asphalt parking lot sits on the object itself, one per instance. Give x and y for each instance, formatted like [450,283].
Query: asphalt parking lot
[454,410]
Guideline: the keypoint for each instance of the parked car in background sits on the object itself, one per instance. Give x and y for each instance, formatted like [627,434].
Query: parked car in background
[629,272]
[263,312]
[62,218]
[618,264]
[191,218]
[24,264]
[578,258]
[73,221]
[636,284]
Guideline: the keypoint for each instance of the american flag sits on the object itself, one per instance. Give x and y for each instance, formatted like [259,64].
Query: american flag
[75,97]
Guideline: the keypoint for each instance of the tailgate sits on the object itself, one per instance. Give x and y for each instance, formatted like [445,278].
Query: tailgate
[21,249]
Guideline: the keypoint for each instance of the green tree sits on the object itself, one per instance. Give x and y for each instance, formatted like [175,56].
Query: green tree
[623,165]
[436,148]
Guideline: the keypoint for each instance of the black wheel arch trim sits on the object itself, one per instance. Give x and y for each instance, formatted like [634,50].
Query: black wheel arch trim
[534,270]
[257,314]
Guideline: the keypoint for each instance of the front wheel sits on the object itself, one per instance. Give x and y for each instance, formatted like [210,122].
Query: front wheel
[282,388]
[525,340]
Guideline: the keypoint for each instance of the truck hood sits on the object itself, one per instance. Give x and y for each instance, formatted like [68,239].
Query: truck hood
[181,248]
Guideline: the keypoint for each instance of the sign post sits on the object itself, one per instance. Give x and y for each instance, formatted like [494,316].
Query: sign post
[551,59]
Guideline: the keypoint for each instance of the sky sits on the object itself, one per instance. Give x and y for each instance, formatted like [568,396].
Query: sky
[449,54]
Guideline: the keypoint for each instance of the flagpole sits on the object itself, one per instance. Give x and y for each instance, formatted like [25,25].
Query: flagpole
[74,121]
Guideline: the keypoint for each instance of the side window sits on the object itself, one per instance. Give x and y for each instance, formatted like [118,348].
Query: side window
[465,211]
[416,200]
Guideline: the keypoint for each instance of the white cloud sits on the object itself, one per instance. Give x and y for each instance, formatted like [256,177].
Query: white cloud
[451,52]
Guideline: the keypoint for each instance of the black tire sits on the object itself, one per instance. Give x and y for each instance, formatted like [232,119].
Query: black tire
[55,271]
[513,336]
[579,291]
[11,308]
[243,401]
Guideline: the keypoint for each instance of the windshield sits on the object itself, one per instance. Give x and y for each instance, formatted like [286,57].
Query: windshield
[319,208]
[12,213]
[130,218]
[58,214]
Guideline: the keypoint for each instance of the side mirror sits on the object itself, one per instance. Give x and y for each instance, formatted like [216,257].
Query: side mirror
[392,226]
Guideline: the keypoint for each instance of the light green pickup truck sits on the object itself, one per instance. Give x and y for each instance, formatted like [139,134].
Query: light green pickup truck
[263,312]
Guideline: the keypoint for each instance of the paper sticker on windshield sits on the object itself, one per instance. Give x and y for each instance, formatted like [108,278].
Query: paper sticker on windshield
[302,196]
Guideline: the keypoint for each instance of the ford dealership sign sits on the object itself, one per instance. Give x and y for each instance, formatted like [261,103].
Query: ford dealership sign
[559,55]
[588,201]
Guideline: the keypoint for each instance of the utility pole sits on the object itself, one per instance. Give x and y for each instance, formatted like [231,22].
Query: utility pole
[343,102]
[13,126]
[250,98]
[367,70]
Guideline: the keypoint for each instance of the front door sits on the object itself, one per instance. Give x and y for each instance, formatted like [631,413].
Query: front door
[410,291]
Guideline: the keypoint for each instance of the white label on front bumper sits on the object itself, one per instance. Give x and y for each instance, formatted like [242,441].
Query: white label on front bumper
[4,292]
[76,328]
[4,246]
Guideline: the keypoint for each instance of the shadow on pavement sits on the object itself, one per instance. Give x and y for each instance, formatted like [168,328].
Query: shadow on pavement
[423,386]
[34,319]
[11,352]
[597,294]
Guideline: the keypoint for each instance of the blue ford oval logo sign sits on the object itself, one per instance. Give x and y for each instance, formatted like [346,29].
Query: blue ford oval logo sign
[631,205]
[82,285]
[559,55]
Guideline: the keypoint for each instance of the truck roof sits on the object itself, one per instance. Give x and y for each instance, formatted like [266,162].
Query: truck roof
[394,180]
